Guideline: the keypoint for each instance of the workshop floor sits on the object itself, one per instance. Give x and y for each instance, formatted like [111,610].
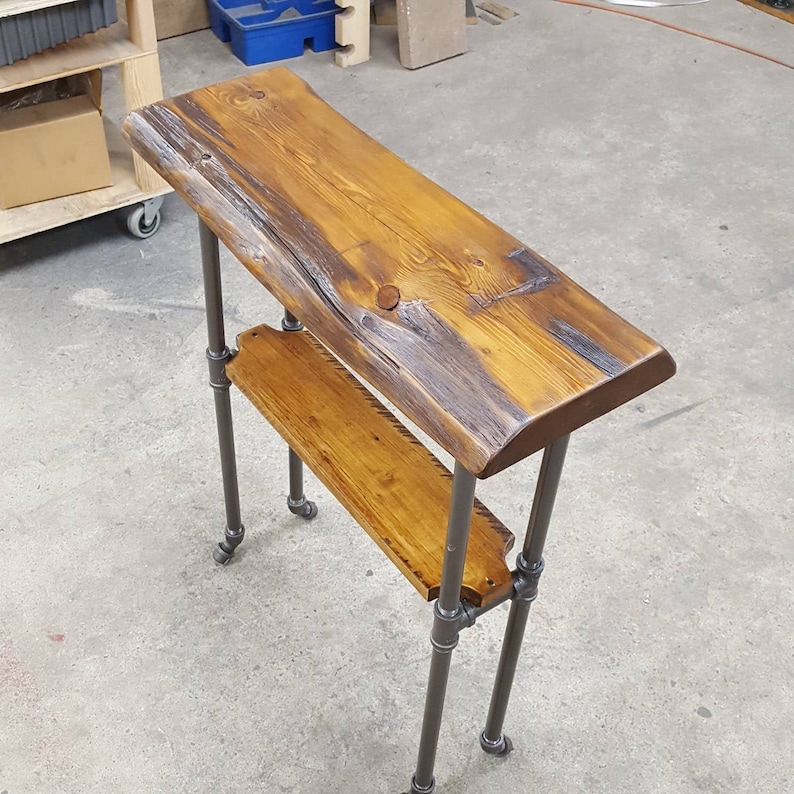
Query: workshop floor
[653,167]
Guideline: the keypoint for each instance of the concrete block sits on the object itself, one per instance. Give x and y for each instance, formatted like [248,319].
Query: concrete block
[430,31]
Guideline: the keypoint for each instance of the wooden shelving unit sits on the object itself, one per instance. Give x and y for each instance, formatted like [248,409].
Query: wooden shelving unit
[10,8]
[94,50]
[133,46]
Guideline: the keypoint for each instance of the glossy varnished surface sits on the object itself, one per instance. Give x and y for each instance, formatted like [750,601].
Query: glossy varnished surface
[484,344]
[396,490]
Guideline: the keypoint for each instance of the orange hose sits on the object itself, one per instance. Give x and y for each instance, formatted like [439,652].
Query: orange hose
[676,27]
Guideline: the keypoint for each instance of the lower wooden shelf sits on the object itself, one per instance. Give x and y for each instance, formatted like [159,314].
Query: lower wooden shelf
[31,218]
[391,485]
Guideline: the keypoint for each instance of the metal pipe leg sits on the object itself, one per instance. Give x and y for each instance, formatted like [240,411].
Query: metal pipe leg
[296,493]
[217,356]
[529,567]
[297,501]
[446,626]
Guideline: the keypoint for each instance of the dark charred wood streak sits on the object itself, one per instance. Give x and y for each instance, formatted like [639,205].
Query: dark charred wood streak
[584,346]
[538,273]
[443,366]
[538,276]
[447,358]
[193,111]
[507,536]
[312,268]
[306,252]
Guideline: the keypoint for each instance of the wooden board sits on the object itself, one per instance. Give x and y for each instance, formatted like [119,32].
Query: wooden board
[391,485]
[140,20]
[489,349]
[175,17]
[140,79]
[92,51]
[385,12]
[23,221]
[786,14]
[10,8]
[497,10]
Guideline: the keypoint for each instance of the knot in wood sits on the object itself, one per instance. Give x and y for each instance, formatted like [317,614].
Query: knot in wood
[258,94]
[388,297]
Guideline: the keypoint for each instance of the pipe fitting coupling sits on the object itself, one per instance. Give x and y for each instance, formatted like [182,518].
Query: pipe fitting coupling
[217,361]
[291,323]
[527,579]
[446,629]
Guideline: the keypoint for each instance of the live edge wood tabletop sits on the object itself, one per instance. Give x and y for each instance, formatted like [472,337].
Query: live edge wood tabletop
[488,348]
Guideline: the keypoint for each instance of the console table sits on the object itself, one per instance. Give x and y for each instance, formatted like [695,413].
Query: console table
[488,348]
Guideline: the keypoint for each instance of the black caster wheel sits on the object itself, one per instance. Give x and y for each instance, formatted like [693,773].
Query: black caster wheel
[310,511]
[500,748]
[304,509]
[220,555]
[137,225]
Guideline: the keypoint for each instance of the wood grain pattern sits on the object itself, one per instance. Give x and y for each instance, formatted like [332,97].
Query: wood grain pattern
[140,19]
[140,78]
[385,12]
[497,10]
[491,350]
[393,487]
[174,17]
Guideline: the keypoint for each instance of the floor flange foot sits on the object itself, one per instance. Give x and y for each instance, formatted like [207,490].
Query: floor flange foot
[500,748]
[415,789]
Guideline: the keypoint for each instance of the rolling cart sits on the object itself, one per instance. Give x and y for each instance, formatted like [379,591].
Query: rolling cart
[132,45]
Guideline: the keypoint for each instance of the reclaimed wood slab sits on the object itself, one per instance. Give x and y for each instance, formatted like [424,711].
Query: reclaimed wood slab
[479,340]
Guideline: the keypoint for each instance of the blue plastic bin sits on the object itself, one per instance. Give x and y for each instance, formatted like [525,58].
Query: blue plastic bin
[274,29]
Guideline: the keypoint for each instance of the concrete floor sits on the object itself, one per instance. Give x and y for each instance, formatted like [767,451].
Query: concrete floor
[655,169]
